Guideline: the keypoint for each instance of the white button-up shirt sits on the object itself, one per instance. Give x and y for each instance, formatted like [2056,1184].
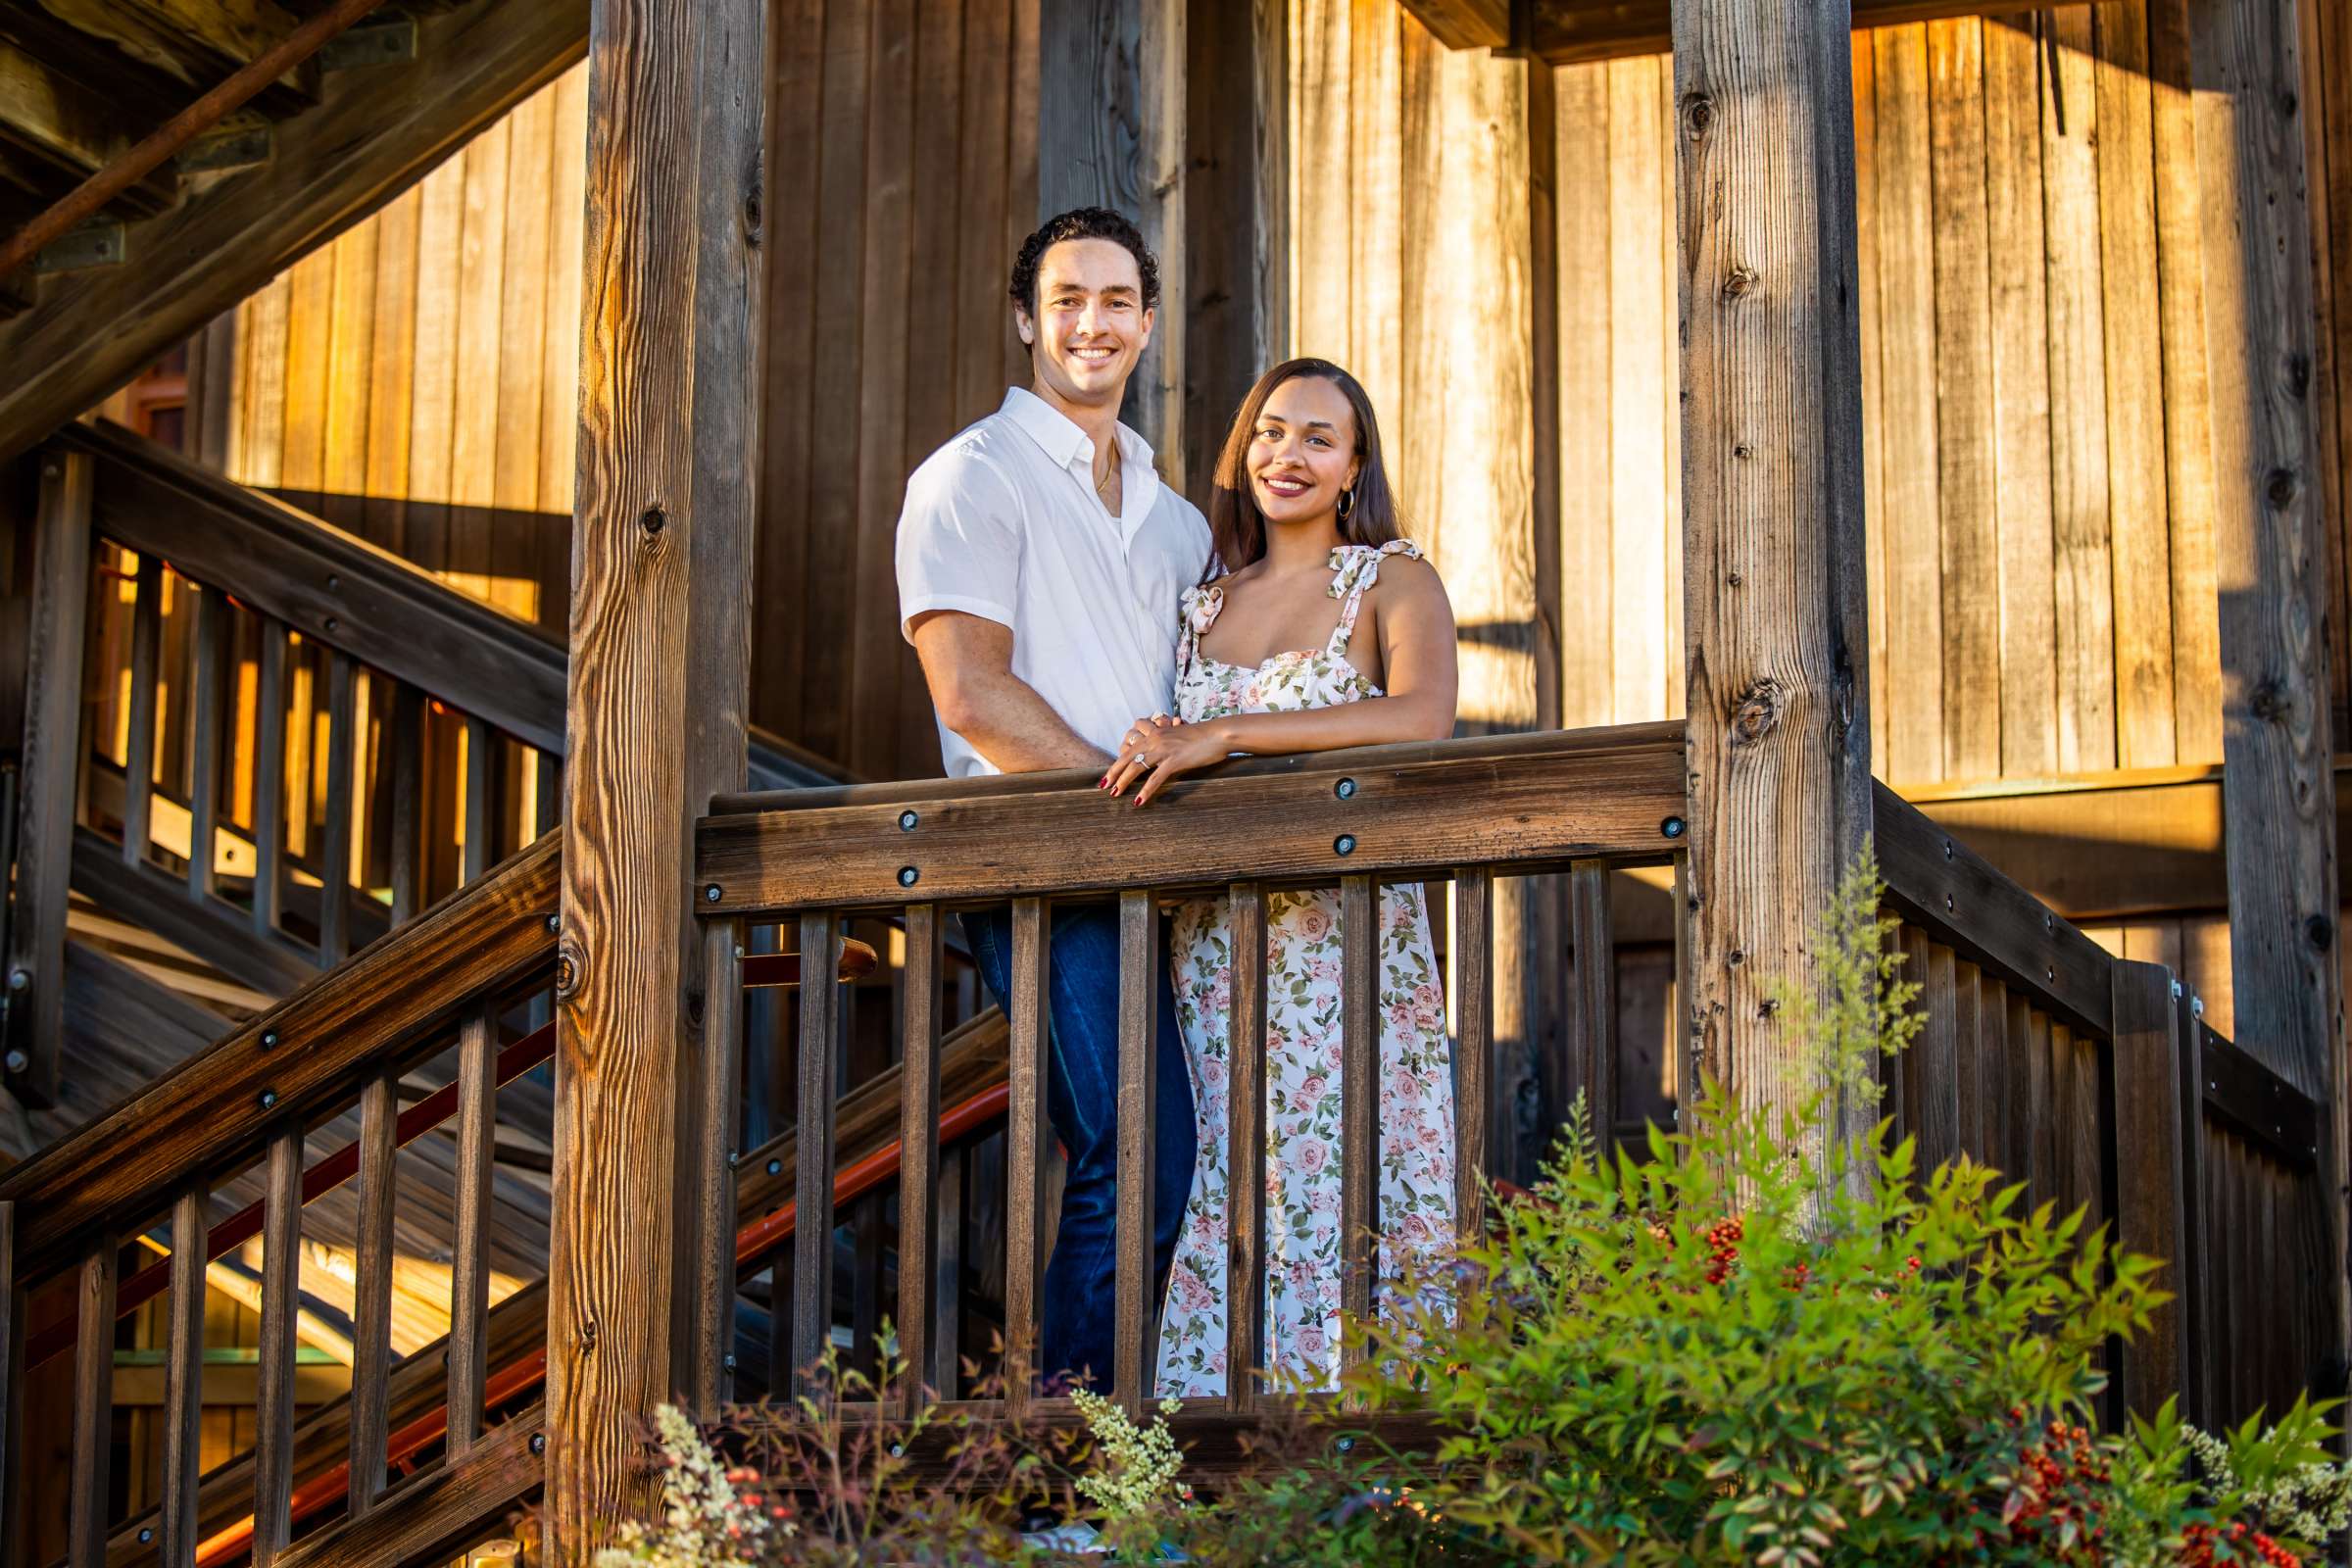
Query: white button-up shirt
[1004,522]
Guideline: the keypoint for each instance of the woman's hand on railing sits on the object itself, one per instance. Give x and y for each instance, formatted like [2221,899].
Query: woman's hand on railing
[1157,749]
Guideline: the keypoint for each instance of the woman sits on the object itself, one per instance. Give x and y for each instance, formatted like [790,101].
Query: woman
[1326,630]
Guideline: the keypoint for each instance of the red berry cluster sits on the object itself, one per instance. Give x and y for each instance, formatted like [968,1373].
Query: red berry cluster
[2204,1548]
[1723,1247]
[2061,1476]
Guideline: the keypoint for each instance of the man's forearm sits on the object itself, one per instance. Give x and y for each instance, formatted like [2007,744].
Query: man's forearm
[1020,732]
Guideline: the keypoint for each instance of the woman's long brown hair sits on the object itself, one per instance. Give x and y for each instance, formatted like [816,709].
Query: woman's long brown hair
[1235,523]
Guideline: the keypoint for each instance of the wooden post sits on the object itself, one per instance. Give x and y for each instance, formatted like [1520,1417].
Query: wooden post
[34,968]
[659,674]
[1773,589]
[2278,802]
[1110,110]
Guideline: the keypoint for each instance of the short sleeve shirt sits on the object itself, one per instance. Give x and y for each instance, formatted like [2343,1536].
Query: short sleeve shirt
[1004,522]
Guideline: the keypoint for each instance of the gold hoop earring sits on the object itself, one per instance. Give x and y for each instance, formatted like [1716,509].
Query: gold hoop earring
[1346,503]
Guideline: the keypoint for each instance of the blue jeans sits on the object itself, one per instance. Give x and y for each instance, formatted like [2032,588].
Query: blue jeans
[1082,1103]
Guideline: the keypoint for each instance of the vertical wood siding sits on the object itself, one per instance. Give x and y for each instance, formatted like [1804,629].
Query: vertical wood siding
[2039,493]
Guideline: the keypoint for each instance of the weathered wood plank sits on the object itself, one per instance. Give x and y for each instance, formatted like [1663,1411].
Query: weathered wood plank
[470,1230]
[2273,553]
[1590,936]
[1246,1150]
[813,1183]
[2020,395]
[93,1420]
[919,1155]
[207,713]
[183,1393]
[1563,32]
[335,844]
[1772,519]
[2153,1125]
[708,1360]
[1910,461]
[51,766]
[1140,956]
[269,779]
[138,749]
[273,1404]
[1641,370]
[1582,368]
[441,1510]
[1024,1144]
[1553,799]
[371,1292]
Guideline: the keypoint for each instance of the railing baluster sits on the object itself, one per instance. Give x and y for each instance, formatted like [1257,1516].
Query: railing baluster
[11,1380]
[812,1171]
[371,1292]
[2041,1111]
[2017,1071]
[1968,1064]
[550,792]
[33,964]
[138,752]
[1359,1104]
[2192,1270]
[1246,1149]
[269,777]
[470,1278]
[1024,1148]
[183,1379]
[403,740]
[1473,1030]
[482,793]
[1131,1366]
[273,1400]
[93,1403]
[334,851]
[1595,940]
[205,720]
[946,1279]
[713,1265]
[919,1156]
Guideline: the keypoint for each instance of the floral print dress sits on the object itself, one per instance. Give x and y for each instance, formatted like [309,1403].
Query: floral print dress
[1302,1051]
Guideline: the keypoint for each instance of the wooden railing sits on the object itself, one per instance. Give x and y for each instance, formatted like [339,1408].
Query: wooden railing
[1460,811]
[280,742]
[2096,1080]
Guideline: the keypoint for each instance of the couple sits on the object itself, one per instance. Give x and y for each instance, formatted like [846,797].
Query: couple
[1071,611]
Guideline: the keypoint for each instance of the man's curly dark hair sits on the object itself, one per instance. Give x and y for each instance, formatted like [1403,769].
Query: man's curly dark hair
[1082,222]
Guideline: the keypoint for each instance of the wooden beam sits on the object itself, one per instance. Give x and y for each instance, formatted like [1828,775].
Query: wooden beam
[2272,548]
[1566,32]
[58,125]
[195,42]
[380,132]
[1466,23]
[1777,678]
[658,680]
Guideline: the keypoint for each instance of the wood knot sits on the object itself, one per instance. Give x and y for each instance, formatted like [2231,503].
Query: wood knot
[1734,579]
[2278,488]
[1741,282]
[568,973]
[1758,713]
[1743,451]
[2298,376]
[653,519]
[2270,703]
[2319,932]
[1699,116]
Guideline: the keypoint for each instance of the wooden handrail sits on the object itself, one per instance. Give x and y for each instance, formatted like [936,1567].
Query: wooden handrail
[1528,800]
[338,589]
[218,1107]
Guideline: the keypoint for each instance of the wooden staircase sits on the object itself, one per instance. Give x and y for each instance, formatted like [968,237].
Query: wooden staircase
[322,146]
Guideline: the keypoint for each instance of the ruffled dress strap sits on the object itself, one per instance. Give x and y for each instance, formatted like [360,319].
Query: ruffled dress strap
[1197,609]
[1354,569]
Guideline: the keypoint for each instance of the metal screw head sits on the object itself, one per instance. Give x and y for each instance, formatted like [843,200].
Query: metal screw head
[908,876]
[2049,974]
[898,1450]
[18,1061]
[710,894]
[268,1100]
[728,1360]
[20,980]
[1671,828]
[555,925]
[734,1158]
[1947,903]
[1346,1445]
[2197,1008]
[146,1534]
[2049,921]
[739,952]
[268,1039]
[1947,849]
[1344,844]
[906,821]
[330,623]
[775,1167]
[334,582]
[538,1443]
[2176,991]
[1344,789]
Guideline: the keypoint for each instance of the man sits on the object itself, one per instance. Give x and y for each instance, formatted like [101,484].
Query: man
[1040,560]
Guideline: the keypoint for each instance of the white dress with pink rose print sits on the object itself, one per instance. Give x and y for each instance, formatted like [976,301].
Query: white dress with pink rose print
[1302,1051]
